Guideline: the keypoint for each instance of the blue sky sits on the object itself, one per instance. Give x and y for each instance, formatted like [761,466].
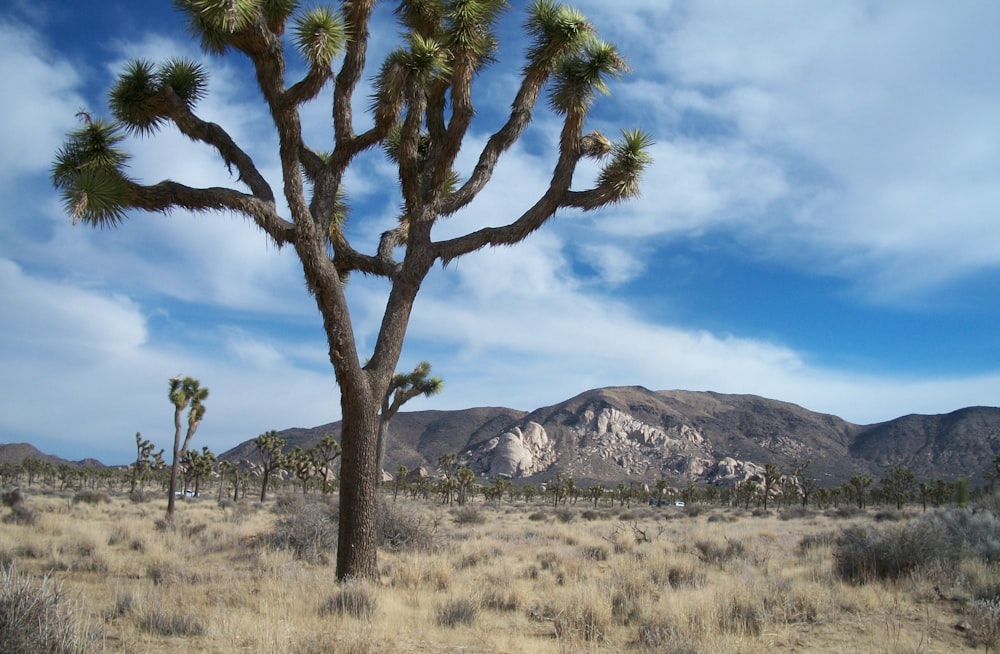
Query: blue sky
[821,226]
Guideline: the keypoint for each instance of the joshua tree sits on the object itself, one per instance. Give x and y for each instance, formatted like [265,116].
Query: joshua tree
[421,111]
[325,453]
[145,461]
[403,389]
[464,478]
[397,483]
[269,448]
[303,464]
[197,466]
[185,393]
[858,486]
[769,481]
[898,484]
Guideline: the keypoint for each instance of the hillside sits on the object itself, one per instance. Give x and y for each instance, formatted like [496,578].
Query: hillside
[17,452]
[613,434]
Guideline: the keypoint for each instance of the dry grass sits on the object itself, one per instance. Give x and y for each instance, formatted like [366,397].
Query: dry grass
[219,580]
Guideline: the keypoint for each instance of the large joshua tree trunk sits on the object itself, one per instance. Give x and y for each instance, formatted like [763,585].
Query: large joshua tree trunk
[357,538]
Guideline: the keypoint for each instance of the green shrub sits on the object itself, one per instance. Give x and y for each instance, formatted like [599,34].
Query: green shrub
[35,617]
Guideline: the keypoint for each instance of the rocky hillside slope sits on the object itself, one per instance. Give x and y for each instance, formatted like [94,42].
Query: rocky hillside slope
[612,434]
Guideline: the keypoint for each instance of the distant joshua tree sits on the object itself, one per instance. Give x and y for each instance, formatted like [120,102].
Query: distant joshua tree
[403,389]
[185,393]
[269,447]
[145,461]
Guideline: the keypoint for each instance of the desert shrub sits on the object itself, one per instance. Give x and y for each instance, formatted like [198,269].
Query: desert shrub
[973,533]
[166,621]
[721,517]
[124,605]
[865,553]
[90,497]
[760,513]
[403,530]
[355,601]
[35,617]
[21,515]
[590,514]
[795,512]
[596,553]
[684,575]
[844,511]
[741,614]
[663,636]
[565,514]
[816,541]
[712,552]
[888,516]
[693,510]
[139,496]
[497,599]
[307,527]
[468,515]
[582,620]
[457,612]
[538,516]
[984,623]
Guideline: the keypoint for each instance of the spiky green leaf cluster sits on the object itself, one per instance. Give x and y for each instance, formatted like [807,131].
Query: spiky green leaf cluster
[187,78]
[426,59]
[215,21]
[582,75]
[555,30]
[88,174]
[135,98]
[470,24]
[629,157]
[320,35]
[132,98]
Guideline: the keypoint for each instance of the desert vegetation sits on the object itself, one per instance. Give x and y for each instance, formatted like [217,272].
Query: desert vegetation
[100,570]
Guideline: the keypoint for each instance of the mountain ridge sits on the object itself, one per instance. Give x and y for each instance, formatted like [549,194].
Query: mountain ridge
[621,433]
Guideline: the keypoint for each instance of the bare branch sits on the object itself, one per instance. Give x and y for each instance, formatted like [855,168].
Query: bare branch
[168,195]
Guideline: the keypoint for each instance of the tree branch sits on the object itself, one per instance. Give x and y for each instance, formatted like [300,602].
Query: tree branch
[212,134]
[531,220]
[168,194]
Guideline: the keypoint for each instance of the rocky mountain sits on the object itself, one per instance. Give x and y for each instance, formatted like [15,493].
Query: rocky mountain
[17,452]
[613,434]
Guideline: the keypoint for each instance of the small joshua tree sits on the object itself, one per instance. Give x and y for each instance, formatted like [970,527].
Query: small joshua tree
[269,447]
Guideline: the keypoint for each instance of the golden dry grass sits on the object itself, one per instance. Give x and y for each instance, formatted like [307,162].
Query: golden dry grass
[524,579]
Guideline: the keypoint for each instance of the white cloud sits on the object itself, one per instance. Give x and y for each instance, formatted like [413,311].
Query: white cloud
[39,103]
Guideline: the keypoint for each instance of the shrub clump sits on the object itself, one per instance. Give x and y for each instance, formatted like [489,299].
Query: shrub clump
[355,601]
[942,537]
[34,617]
[164,622]
[457,612]
[90,497]
[307,527]
[400,530]
[468,515]
[862,554]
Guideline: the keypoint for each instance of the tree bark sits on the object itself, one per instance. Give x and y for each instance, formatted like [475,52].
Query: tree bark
[357,544]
